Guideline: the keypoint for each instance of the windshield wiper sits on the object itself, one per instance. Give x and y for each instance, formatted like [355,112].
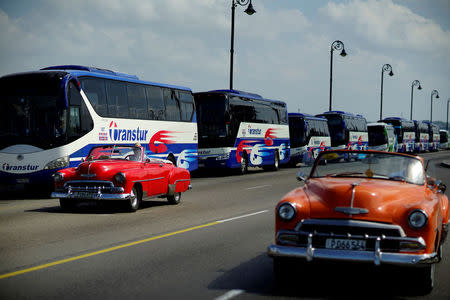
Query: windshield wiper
[345,174]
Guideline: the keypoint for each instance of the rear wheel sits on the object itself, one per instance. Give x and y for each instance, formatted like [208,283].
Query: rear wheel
[276,163]
[174,199]
[135,200]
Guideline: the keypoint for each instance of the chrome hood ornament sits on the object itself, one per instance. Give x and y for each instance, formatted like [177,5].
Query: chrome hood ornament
[350,210]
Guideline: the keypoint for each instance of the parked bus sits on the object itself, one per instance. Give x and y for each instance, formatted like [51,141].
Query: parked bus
[382,137]
[51,118]
[434,136]
[405,131]
[347,131]
[238,129]
[443,143]
[421,142]
[308,136]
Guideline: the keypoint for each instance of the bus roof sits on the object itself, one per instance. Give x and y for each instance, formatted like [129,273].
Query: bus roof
[307,116]
[77,70]
[244,94]
[379,124]
[339,112]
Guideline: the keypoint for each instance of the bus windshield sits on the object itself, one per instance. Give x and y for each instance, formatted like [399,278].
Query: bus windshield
[213,119]
[33,111]
[377,136]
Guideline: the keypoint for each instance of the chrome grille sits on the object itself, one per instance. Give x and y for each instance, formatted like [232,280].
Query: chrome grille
[93,186]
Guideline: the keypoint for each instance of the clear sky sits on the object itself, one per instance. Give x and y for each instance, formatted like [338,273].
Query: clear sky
[281,52]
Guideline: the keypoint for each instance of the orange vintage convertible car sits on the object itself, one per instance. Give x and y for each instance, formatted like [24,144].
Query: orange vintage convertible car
[120,173]
[380,209]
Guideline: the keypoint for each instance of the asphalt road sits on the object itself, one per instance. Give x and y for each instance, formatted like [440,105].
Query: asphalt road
[210,246]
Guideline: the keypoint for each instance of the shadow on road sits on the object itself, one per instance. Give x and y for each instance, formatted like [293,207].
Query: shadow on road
[94,207]
[329,280]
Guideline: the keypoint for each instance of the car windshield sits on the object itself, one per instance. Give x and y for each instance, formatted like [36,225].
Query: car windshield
[132,153]
[377,165]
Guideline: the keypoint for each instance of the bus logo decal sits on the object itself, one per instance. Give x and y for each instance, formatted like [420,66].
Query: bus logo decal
[159,141]
[8,167]
[240,149]
[270,135]
[134,135]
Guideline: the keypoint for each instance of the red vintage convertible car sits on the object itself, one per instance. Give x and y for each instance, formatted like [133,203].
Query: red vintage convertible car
[380,209]
[117,172]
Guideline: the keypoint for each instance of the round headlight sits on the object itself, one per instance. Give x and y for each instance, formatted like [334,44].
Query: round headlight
[120,177]
[58,177]
[417,219]
[286,211]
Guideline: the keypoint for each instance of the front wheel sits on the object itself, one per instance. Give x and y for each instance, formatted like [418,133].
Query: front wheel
[135,200]
[174,199]
[423,279]
[244,165]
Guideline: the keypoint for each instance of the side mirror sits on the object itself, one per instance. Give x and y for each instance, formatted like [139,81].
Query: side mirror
[301,176]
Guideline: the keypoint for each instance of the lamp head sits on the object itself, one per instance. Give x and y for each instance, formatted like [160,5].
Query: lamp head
[420,87]
[391,73]
[250,10]
[343,53]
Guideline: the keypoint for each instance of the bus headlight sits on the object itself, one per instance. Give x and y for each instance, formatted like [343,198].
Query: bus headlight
[58,177]
[61,162]
[120,177]
[286,211]
[417,219]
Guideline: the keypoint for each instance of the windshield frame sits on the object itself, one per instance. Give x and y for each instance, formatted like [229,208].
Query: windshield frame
[361,153]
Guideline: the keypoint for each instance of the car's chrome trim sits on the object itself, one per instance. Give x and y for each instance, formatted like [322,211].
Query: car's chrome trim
[378,257]
[145,180]
[352,223]
[95,196]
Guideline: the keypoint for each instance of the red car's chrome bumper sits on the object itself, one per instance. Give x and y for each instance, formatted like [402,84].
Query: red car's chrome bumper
[376,257]
[91,196]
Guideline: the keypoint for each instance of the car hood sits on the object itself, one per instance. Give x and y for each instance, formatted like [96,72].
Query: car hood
[97,169]
[374,199]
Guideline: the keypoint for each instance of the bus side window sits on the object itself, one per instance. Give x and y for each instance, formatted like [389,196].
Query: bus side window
[137,101]
[80,121]
[186,105]
[171,103]
[94,89]
[155,103]
[117,99]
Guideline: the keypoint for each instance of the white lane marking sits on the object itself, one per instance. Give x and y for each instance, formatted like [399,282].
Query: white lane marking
[258,187]
[244,216]
[230,294]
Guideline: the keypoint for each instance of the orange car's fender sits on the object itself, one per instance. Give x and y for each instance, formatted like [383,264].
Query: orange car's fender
[300,201]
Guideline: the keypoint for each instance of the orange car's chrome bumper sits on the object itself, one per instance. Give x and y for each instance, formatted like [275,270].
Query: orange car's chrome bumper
[377,257]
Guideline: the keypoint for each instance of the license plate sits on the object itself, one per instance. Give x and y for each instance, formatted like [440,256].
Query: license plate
[345,244]
[23,180]
[84,195]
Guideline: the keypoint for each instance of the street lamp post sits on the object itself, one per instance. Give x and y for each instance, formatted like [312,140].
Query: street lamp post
[249,11]
[387,68]
[433,93]
[448,101]
[414,83]
[336,45]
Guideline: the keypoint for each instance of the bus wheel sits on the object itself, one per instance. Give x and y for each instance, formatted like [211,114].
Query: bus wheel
[276,163]
[244,164]
[172,159]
